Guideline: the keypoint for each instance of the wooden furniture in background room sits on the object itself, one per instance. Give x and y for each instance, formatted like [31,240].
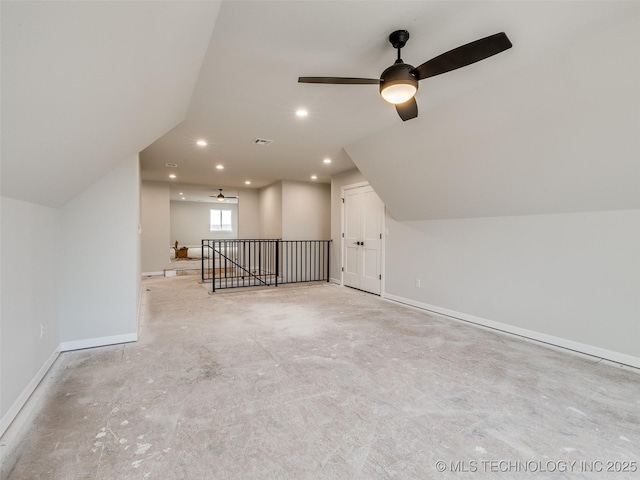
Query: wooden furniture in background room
[182,252]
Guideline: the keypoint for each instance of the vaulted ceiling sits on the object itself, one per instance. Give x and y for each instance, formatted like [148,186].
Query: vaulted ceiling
[86,84]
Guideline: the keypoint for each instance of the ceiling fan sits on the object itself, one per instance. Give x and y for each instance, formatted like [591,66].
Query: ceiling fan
[221,197]
[399,82]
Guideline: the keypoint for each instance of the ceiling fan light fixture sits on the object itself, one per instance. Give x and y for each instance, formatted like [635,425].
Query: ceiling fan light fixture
[398,93]
[220,196]
[398,84]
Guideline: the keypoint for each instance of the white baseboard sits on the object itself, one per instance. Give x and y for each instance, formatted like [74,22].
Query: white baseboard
[591,350]
[13,411]
[98,342]
[152,274]
[335,280]
[139,309]
[20,402]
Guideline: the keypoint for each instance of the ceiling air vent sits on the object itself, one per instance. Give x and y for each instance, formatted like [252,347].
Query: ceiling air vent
[261,141]
[171,165]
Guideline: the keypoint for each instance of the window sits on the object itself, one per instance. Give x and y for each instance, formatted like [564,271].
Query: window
[221,221]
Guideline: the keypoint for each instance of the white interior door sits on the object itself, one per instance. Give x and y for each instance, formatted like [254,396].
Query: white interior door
[362,252]
[352,225]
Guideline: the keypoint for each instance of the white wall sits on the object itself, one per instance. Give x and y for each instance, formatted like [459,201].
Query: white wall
[31,255]
[338,181]
[154,218]
[575,277]
[190,221]
[99,284]
[306,211]
[271,211]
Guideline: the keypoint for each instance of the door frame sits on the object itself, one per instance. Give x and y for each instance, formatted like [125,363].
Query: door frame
[383,228]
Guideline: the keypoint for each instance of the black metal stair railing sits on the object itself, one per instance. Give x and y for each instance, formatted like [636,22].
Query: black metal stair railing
[263,262]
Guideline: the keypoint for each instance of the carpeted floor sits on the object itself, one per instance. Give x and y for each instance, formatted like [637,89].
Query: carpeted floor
[324,382]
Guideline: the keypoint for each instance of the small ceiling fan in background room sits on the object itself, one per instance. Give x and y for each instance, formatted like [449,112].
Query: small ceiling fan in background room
[399,82]
[221,197]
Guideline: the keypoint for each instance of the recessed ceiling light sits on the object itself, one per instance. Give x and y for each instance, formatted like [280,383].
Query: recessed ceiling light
[314,177]
[202,143]
[220,167]
[181,193]
[183,198]
[302,112]
[172,175]
[248,182]
[326,160]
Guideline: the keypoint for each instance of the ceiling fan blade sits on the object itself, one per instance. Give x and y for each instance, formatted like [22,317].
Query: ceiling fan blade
[340,80]
[465,55]
[408,109]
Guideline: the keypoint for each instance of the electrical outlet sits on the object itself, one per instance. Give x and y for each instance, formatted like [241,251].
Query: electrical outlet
[41,331]
[417,283]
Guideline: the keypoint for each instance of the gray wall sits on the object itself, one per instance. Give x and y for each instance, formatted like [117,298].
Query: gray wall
[154,219]
[295,211]
[190,221]
[271,211]
[306,211]
[164,221]
[248,213]
[31,255]
[285,209]
[570,276]
[74,271]
[99,284]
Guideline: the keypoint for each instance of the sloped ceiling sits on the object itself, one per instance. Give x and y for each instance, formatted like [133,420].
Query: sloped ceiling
[471,152]
[560,135]
[86,85]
